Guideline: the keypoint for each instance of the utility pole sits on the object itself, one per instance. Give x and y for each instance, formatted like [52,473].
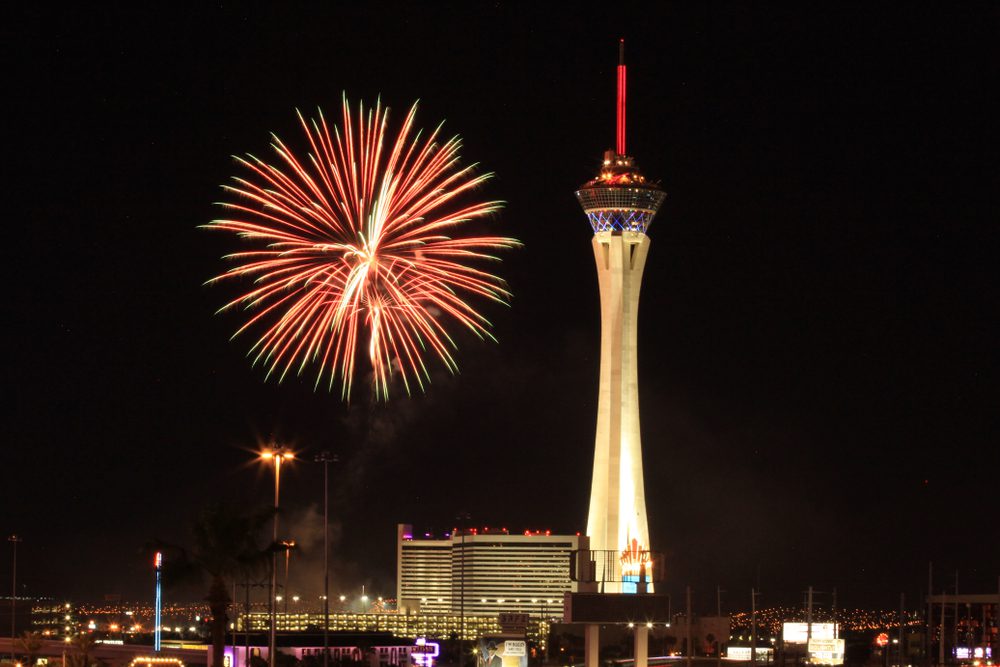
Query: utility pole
[246,624]
[236,615]
[809,616]
[463,519]
[13,539]
[941,635]
[836,626]
[687,629]
[955,617]
[753,627]
[718,613]
[899,643]
[326,458]
[929,619]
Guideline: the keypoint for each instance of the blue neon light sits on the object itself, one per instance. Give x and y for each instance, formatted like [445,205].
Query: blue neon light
[158,563]
[619,220]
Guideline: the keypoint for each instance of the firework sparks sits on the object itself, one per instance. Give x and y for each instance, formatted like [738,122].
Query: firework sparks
[361,238]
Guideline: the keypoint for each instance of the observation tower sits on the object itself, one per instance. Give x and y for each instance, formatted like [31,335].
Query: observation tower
[620,205]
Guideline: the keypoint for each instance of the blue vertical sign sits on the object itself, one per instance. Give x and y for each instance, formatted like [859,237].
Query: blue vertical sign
[157,566]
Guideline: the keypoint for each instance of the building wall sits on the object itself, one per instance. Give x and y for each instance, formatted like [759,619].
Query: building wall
[483,574]
[405,625]
[423,572]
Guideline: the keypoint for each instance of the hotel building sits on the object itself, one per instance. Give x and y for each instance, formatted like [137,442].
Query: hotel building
[483,572]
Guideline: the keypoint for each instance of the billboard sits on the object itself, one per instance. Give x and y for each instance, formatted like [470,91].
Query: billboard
[501,652]
[798,633]
[744,653]
[826,651]
[600,608]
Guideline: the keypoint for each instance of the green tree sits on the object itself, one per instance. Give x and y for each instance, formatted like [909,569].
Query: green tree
[225,549]
[29,643]
[82,645]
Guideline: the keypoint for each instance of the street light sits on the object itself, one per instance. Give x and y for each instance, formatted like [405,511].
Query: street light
[463,520]
[276,456]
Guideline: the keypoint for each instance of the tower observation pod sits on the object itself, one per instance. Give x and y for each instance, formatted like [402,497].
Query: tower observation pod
[620,205]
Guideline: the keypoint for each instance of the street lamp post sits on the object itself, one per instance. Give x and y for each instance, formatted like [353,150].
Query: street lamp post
[548,618]
[277,456]
[463,518]
[288,545]
[13,539]
[326,458]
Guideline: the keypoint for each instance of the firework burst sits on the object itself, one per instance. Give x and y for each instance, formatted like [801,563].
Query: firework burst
[360,240]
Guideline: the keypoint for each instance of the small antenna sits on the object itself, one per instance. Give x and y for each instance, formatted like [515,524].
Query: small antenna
[620,143]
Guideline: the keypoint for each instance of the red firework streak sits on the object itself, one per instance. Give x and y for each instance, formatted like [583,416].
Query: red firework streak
[362,238]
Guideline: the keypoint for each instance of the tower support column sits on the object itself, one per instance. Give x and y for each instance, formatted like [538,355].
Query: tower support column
[617,502]
[592,645]
[641,652]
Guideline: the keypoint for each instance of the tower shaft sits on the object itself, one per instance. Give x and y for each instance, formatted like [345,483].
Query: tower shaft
[617,517]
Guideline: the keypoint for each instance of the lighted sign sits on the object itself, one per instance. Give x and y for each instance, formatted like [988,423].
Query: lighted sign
[514,648]
[150,661]
[798,633]
[826,651]
[502,652]
[743,653]
[513,622]
[424,652]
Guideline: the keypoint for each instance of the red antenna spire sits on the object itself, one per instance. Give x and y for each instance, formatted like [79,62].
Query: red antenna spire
[621,98]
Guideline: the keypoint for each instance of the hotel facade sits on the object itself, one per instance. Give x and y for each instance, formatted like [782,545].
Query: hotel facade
[484,572]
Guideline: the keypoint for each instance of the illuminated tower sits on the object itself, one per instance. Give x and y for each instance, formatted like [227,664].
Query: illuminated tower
[620,205]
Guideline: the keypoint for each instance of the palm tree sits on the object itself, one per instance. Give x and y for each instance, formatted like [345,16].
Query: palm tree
[29,644]
[82,645]
[225,549]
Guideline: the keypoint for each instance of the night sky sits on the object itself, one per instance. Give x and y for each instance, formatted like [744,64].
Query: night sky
[817,344]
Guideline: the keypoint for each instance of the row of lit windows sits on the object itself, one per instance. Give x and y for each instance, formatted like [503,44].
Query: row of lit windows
[524,545]
[513,553]
[440,626]
[554,564]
